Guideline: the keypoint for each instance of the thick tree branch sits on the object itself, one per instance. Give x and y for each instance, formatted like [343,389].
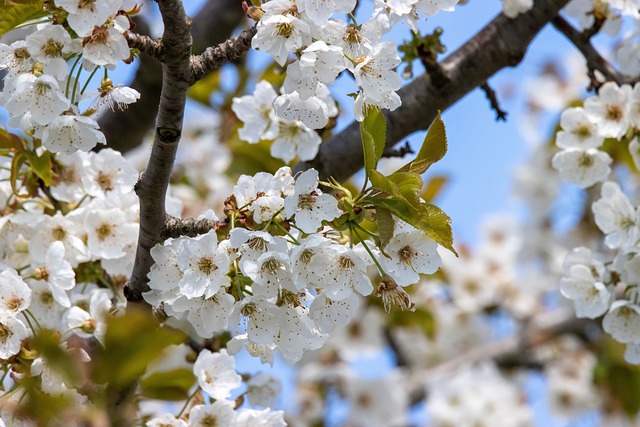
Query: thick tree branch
[152,186]
[214,57]
[502,43]
[212,25]
[595,62]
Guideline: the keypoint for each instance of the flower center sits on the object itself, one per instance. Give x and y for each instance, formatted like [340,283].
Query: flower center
[206,265]
[58,233]
[104,231]
[614,112]
[52,48]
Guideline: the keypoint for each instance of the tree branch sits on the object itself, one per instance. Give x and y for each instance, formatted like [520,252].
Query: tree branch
[176,227]
[502,43]
[214,57]
[595,62]
[152,186]
[144,44]
[212,25]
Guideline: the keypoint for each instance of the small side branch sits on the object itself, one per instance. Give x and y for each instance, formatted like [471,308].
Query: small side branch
[595,61]
[215,57]
[401,151]
[144,44]
[190,227]
[493,101]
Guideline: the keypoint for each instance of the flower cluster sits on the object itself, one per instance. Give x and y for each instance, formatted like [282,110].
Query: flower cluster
[275,275]
[42,92]
[610,114]
[607,284]
[324,46]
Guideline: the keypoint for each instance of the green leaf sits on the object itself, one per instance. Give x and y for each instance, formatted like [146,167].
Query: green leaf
[409,185]
[439,228]
[17,12]
[398,207]
[373,131]
[168,385]
[386,225]
[434,147]
[131,342]
[382,183]
[10,141]
[41,166]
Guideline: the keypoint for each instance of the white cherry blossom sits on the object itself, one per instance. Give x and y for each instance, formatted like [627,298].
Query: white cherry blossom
[610,109]
[15,295]
[295,139]
[411,254]
[12,331]
[205,268]
[40,96]
[220,413]
[623,321]
[216,373]
[616,217]
[256,111]
[591,297]
[85,14]
[58,274]
[375,73]
[309,205]
[582,167]
[69,133]
[578,130]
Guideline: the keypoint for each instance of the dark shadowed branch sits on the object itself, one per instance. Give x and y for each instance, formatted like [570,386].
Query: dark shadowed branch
[152,186]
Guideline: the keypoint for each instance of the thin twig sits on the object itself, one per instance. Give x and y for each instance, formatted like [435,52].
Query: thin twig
[493,101]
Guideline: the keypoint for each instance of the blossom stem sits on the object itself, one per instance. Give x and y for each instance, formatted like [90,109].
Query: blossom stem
[73,67]
[89,79]
[287,232]
[191,396]
[375,261]
[29,321]
[75,86]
